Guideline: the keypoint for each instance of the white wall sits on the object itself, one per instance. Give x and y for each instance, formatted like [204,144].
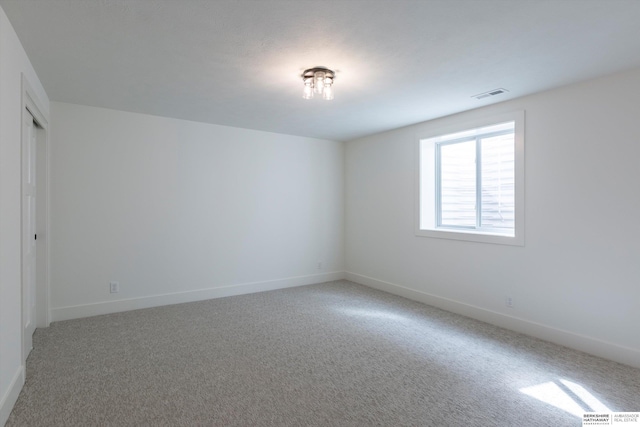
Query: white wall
[13,62]
[178,211]
[577,279]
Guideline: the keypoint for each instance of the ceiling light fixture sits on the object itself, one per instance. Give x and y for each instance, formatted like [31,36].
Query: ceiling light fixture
[318,80]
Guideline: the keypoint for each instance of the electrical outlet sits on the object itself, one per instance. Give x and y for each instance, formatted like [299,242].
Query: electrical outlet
[319,265]
[114,287]
[509,302]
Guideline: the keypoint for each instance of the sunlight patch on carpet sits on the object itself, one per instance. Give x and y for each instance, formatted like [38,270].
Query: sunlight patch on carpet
[566,395]
[375,314]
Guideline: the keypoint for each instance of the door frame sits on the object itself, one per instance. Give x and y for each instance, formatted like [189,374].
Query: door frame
[32,103]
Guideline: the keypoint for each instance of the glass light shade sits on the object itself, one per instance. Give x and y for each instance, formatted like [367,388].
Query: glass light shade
[307,92]
[328,93]
[318,83]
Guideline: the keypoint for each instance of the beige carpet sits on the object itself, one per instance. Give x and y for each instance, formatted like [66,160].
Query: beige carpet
[335,354]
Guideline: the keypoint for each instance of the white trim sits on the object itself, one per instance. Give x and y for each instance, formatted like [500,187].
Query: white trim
[95,309]
[11,396]
[594,346]
[31,102]
[472,235]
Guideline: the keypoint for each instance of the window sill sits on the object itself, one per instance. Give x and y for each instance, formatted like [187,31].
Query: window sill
[473,236]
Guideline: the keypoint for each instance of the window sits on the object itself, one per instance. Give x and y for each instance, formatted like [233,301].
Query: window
[471,182]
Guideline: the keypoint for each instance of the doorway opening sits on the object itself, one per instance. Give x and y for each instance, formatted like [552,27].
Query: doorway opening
[34,217]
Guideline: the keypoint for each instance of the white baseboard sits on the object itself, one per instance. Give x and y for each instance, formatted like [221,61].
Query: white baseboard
[95,309]
[596,347]
[11,396]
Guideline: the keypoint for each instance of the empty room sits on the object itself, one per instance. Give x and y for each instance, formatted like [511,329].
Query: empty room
[319,213]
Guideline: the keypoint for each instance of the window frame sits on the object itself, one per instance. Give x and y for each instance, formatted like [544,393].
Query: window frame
[427,198]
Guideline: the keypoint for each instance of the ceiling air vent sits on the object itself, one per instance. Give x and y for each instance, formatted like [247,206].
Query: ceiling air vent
[493,92]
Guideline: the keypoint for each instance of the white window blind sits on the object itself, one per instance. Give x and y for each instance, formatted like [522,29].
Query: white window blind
[476,180]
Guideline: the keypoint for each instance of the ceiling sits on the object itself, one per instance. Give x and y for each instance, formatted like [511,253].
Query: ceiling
[398,62]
